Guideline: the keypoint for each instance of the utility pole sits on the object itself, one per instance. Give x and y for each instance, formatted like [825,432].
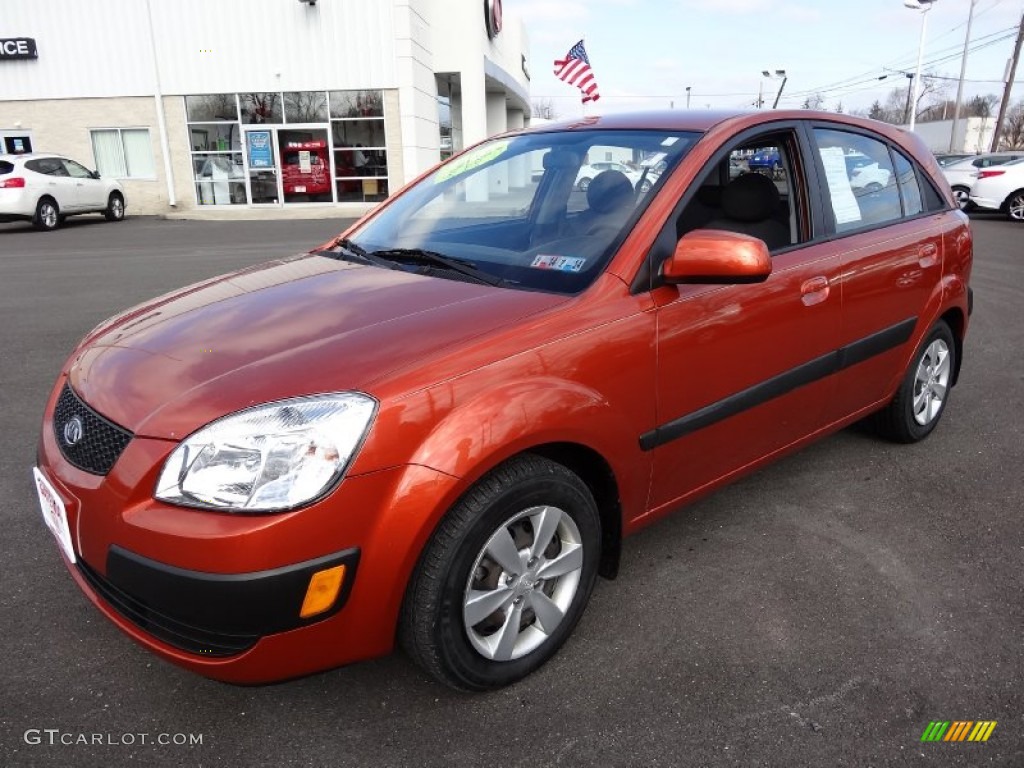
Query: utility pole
[1009,87]
[960,85]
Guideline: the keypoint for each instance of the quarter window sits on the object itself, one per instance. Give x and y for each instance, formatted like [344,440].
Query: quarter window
[860,177]
[910,189]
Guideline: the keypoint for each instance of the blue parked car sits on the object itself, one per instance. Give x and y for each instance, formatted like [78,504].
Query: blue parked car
[765,160]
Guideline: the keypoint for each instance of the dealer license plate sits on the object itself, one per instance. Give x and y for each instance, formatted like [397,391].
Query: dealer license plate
[54,514]
[300,189]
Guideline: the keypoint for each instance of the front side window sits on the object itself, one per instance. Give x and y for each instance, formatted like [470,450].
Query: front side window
[77,170]
[515,210]
[860,177]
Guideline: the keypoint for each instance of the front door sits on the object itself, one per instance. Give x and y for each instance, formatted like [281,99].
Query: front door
[743,370]
[89,193]
[261,158]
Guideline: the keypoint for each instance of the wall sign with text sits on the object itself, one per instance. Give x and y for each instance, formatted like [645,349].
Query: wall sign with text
[18,48]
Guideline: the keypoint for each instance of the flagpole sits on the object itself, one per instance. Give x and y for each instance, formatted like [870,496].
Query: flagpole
[586,104]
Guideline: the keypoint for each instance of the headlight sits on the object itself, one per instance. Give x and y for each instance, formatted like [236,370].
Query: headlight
[271,457]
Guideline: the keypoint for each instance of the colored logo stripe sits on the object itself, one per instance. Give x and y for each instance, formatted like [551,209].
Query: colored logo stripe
[958,730]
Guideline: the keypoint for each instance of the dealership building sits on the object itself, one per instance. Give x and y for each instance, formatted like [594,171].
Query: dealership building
[253,105]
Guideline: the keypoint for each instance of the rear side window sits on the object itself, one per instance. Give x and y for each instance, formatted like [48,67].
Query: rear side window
[862,193]
[51,166]
[910,189]
[5,167]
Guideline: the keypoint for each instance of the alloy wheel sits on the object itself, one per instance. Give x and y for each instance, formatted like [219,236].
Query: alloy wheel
[1015,206]
[931,382]
[522,583]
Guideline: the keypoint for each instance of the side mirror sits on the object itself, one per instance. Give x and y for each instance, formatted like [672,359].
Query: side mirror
[94,174]
[717,256]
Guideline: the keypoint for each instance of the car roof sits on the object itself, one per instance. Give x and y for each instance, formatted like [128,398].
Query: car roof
[29,156]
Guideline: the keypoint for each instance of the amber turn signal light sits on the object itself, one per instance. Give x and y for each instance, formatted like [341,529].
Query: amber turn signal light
[323,590]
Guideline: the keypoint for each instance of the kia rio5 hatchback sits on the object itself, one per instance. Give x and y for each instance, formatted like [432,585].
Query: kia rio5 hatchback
[436,430]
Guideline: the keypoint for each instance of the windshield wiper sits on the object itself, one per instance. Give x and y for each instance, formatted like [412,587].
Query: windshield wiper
[433,258]
[351,251]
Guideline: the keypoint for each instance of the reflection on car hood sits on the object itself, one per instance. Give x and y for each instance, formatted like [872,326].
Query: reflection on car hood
[299,326]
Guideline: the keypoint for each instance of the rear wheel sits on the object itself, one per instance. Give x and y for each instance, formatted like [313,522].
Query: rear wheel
[115,207]
[1015,205]
[922,397]
[47,216]
[962,196]
[505,578]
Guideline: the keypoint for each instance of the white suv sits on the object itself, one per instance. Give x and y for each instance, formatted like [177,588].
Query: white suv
[1001,189]
[44,189]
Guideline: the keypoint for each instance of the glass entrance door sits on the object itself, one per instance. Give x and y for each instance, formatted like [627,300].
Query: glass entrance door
[305,165]
[262,155]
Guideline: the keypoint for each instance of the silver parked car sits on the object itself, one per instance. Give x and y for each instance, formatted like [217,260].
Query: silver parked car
[45,189]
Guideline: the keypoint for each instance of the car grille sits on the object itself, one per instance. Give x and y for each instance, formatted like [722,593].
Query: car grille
[173,632]
[100,442]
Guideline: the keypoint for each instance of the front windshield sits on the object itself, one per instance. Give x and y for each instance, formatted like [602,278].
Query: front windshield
[538,211]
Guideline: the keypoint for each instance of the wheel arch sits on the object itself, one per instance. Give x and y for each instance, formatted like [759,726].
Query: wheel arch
[957,323]
[1005,207]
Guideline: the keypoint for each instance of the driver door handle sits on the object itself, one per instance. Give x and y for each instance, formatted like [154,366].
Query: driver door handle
[814,290]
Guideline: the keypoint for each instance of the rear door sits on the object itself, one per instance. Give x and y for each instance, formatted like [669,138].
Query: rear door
[891,254]
[53,180]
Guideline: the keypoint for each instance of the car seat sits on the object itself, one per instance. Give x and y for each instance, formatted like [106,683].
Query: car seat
[749,206]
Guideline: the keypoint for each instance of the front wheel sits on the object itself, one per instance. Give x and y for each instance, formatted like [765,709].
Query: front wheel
[583,184]
[1015,206]
[505,578]
[115,207]
[922,397]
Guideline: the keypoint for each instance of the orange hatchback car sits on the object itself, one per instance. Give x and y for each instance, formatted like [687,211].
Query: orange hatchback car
[436,430]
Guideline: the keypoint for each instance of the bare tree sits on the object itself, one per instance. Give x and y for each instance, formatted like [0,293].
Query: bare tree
[544,108]
[981,106]
[1012,136]
[814,101]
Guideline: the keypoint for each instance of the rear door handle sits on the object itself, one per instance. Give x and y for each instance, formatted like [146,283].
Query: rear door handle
[928,255]
[814,290]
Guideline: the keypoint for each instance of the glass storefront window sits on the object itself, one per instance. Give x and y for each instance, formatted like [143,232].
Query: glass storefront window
[217,106]
[261,107]
[361,162]
[305,107]
[352,133]
[215,137]
[362,190]
[217,165]
[220,192]
[357,104]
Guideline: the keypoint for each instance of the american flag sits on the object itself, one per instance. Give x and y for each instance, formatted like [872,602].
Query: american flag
[575,70]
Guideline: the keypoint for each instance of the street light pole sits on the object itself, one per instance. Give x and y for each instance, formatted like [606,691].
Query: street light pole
[688,96]
[924,6]
[768,75]
[960,85]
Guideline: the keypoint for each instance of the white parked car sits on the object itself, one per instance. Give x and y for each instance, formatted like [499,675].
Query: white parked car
[45,189]
[588,172]
[865,174]
[1000,189]
[962,173]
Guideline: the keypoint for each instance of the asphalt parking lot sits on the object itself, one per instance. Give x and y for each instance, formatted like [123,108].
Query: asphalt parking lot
[818,613]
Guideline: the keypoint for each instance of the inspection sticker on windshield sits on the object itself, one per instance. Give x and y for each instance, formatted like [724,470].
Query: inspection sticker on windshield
[559,263]
[472,159]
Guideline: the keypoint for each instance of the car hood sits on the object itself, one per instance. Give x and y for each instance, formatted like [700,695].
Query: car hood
[292,327]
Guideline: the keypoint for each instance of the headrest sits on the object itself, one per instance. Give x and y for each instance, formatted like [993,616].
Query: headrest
[750,197]
[609,191]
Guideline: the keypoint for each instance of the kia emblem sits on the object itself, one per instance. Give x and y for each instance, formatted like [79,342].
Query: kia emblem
[73,431]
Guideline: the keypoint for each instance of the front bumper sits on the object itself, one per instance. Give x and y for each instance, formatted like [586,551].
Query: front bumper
[212,614]
[220,593]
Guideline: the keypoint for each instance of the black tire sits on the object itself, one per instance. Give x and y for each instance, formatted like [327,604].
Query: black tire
[115,207]
[433,629]
[1015,205]
[873,187]
[48,216]
[960,194]
[583,185]
[935,360]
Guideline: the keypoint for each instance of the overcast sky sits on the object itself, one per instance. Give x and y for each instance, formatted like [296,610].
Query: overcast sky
[646,52]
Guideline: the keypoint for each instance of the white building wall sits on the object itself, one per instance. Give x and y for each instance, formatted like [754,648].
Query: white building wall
[203,46]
